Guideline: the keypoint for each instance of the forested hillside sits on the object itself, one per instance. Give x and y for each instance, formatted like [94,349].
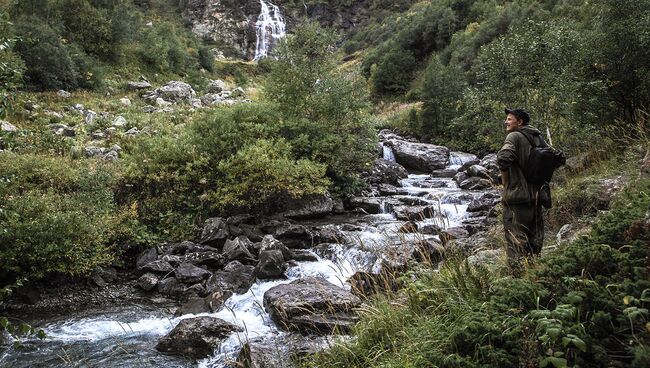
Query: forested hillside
[129,126]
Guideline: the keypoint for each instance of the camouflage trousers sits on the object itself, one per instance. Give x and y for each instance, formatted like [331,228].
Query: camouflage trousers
[524,231]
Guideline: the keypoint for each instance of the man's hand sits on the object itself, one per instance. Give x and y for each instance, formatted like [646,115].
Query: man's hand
[505,176]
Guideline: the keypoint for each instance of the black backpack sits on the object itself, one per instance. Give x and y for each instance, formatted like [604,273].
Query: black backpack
[542,162]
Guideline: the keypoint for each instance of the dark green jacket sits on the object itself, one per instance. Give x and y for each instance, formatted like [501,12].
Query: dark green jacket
[512,157]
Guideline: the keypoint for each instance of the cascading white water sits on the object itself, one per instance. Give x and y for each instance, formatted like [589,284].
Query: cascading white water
[388,153]
[270,29]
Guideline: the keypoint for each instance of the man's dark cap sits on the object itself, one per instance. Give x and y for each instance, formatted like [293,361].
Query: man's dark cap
[520,114]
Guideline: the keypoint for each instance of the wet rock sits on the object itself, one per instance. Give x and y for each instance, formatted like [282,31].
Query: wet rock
[452,233]
[330,234]
[211,259]
[419,156]
[171,287]
[310,207]
[214,232]
[148,281]
[387,172]
[367,204]
[239,249]
[145,257]
[271,243]
[408,227]
[430,184]
[484,203]
[311,305]
[271,265]
[235,277]
[389,190]
[428,251]
[196,338]
[456,198]
[444,173]
[429,229]
[302,255]
[479,171]
[158,266]
[6,126]
[138,85]
[414,213]
[188,273]
[279,351]
[413,201]
[490,163]
[294,235]
[475,183]
[460,177]
[195,291]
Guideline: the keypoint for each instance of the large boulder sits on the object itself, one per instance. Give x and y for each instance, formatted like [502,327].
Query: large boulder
[414,213]
[489,162]
[171,287]
[475,183]
[419,156]
[208,304]
[367,204]
[138,85]
[215,86]
[158,266]
[388,172]
[311,305]
[278,351]
[146,256]
[6,126]
[188,273]
[215,232]
[484,203]
[294,235]
[310,207]
[196,338]
[239,249]
[176,91]
[271,265]
[235,277]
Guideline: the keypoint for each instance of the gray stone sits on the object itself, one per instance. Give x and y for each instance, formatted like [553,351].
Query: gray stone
[5,126]
[133,86]
[171,287]
[64,94]
[310,207]
[388,172]
[89,116]
[176,91]
[188,273]
[452,233]
[148,281]
[145,257]
[460,177]
[238,93]
[235,277]
[368,204]
[149,109]
[214,233]
[414,213]
[239,249]
[475,183]
[271,265]
[196,338]
[478,170]
[419,156]
[157,266]
[119,122]
[311,305]
[125,102]
[215,86]
[444,173]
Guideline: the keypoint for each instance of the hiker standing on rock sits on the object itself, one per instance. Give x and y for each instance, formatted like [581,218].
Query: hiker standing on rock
[523,219]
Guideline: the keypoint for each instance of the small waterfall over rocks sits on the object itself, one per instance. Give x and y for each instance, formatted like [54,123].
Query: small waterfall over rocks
[270,29]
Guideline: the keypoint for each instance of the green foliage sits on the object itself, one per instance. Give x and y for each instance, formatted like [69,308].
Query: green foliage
[206,59]
[324,110]
[54,216]
[393,73]
[12,66]
[264,174]
[585,304]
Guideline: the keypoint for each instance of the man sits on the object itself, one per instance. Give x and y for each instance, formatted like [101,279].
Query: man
[523,220]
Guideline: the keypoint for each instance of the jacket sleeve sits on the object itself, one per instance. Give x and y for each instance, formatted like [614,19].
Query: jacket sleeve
[507,155]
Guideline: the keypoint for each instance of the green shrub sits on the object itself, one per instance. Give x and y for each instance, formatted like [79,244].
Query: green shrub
[393,72]
[264,174]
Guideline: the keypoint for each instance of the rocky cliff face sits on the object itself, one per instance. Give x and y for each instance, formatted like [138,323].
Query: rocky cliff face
[230,24]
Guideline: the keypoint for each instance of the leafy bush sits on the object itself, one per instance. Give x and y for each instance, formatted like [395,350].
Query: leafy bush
[56,216]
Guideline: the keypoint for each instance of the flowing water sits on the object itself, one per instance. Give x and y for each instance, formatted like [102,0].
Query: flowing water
[127,337]
[269,29]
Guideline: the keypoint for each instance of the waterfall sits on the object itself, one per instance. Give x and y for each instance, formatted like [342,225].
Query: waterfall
[269,29]
[388,153]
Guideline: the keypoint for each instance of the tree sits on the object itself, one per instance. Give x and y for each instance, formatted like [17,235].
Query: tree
[325,109]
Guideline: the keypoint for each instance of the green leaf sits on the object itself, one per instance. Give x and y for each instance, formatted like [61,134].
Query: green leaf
[4,323]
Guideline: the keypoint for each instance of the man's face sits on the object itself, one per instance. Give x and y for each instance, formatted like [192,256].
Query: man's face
[512,123]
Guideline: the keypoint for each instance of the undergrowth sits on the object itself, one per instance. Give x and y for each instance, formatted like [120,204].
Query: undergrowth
[583,305]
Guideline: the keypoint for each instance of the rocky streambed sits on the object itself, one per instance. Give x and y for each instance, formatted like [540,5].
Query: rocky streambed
[257,291]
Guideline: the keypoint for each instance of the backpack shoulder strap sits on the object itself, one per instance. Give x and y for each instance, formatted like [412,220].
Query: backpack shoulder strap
[532,144]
